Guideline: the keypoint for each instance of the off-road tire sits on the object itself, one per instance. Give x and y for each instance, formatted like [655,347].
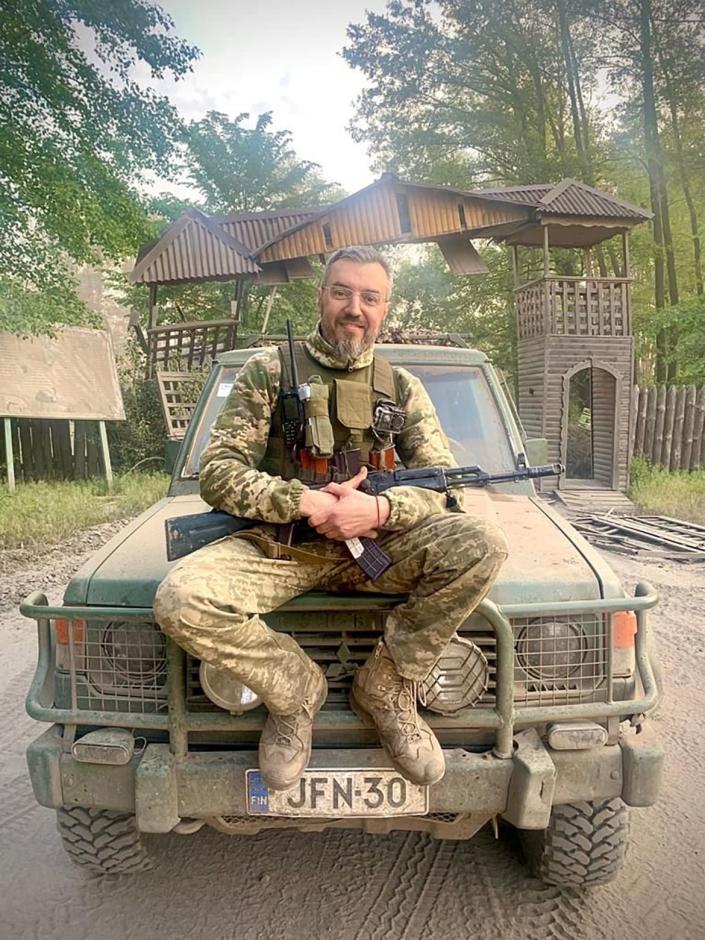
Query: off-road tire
[105,842]
[584,844]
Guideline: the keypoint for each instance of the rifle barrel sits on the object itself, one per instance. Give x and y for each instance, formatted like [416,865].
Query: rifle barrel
[469,475]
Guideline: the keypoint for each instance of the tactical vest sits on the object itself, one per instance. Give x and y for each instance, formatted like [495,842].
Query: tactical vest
[352,397]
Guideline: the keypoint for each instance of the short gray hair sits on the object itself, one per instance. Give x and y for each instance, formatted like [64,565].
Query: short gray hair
[362,254]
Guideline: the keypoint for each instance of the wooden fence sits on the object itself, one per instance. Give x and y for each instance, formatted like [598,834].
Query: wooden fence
[669,426]
[54,450]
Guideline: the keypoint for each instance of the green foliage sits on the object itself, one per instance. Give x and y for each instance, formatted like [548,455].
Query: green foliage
[42,513]
[688,319]
[142,436]
[241,169]
[30,311]
[500,92]
[297,302]
[427,296]
[462,91]
[77,132]
[680,495]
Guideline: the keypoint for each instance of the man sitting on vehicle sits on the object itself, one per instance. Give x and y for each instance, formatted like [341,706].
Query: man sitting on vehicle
[211,602]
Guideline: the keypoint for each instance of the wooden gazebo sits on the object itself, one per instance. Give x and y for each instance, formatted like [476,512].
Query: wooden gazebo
[574,331]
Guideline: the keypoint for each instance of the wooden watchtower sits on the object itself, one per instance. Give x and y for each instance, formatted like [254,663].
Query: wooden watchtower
[575,346]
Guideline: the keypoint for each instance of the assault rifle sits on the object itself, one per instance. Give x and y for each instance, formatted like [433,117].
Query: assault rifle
[185,534]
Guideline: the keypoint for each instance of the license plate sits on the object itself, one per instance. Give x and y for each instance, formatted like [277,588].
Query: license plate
[338,793]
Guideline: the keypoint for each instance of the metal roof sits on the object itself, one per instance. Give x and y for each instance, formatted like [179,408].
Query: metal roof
[193,248]
[524,195]
[199,248]
[256,229]
[570,197]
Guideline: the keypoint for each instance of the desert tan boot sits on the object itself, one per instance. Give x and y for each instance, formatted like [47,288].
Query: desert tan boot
[382,697]
[285,743]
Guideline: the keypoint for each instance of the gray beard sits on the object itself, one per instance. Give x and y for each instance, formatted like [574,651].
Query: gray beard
[350,348]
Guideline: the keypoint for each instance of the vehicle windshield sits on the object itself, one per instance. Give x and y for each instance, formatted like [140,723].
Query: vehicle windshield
[461,395]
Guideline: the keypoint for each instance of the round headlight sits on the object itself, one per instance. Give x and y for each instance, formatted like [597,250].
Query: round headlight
[132,653]
[458,680]
[551,649]
[225,691]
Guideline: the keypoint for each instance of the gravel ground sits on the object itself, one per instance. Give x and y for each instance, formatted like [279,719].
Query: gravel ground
[343,884]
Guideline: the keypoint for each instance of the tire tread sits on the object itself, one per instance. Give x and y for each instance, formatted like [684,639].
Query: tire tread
[584,844]
[101,840]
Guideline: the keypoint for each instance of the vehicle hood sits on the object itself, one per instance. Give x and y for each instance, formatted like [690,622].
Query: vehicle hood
[548,560]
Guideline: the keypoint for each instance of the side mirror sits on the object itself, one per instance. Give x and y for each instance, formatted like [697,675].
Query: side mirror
[171,452]
[536,450]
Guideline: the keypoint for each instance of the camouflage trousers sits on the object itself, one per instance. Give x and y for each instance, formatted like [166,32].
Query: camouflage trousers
[211,602]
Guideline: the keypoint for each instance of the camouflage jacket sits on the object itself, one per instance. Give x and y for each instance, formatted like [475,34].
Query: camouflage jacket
[230,480]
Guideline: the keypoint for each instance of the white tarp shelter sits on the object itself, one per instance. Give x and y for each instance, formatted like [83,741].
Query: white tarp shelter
[70,375]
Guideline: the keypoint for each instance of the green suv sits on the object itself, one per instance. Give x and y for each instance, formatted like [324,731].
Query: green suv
[540,701]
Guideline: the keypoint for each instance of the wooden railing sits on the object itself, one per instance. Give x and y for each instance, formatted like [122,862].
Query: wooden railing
[669,426]
[191,345]
[573,306]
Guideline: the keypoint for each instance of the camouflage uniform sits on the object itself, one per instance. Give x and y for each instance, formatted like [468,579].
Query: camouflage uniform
[211,601]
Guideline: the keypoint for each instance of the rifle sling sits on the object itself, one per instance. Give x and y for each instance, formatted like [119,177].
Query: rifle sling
[281,552]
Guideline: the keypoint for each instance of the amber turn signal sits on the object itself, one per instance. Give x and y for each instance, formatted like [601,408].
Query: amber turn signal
[623,629]
[62,626]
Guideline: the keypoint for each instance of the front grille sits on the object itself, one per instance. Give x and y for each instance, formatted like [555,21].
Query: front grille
[121,665]
[339,654]
[557,660]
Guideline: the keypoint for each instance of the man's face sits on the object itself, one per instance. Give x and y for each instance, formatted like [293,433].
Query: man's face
[353,304]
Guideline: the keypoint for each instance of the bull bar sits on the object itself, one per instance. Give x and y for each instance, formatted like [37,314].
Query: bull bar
[179,722]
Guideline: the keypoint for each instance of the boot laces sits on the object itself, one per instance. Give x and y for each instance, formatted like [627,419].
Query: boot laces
[402,699]
[287,728]
[288,725]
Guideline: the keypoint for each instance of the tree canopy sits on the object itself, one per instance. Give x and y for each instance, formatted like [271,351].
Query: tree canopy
[239,169]
[78,133]
[501,92]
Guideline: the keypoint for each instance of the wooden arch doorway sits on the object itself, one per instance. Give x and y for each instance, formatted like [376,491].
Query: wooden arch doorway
[591,393]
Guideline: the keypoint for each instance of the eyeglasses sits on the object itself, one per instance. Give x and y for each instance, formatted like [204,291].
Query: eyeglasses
[368,298]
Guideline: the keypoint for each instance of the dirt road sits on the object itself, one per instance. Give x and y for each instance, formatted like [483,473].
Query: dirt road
[348,885]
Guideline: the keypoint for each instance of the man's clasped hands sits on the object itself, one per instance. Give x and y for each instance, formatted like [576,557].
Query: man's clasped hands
[340,511]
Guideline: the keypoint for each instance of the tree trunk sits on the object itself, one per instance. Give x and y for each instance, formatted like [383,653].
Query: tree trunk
[683,175]
[664,259]
[580,132]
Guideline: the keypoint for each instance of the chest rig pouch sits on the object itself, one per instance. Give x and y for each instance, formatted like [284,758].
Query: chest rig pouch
[341,418]
[319,440]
